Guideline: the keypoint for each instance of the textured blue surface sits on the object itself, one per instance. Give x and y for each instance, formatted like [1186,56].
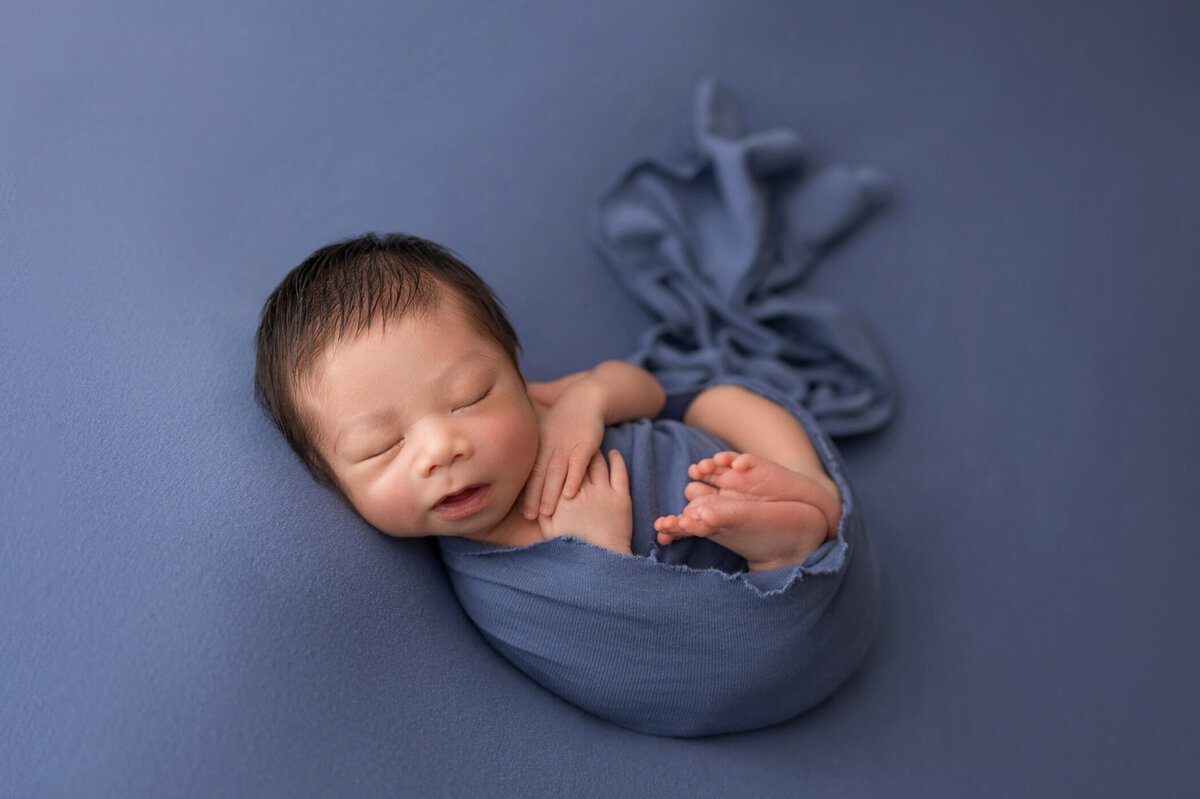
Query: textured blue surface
[185,614]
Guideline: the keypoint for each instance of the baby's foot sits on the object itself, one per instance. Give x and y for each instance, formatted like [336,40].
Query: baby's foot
[749,477]
[768,534]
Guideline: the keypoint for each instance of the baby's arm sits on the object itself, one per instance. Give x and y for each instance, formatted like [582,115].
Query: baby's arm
[573,412]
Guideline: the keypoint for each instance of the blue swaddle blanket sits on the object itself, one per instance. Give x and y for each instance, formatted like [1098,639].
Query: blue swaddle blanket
[676,640]
[680,639]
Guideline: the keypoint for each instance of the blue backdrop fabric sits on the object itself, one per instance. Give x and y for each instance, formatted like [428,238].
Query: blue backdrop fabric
[184,613]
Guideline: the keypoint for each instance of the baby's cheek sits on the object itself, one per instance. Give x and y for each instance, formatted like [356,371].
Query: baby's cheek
[521,439]
[385,507]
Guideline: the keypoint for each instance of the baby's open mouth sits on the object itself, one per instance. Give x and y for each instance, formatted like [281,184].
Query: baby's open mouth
[463,503]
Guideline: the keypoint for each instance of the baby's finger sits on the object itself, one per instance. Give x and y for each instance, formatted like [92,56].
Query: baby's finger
[618,476]
[598,469]
[577,467]
[533,490]
[556,473]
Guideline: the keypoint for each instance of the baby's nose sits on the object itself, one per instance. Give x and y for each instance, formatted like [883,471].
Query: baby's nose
[441,450]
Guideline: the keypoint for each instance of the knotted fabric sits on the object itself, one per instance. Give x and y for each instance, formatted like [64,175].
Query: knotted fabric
[716,241]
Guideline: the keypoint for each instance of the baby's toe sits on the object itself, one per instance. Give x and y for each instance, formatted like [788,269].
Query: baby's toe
[708,515]
[697,520]
[693,490]
[743,462]
[726,458]
[668,524]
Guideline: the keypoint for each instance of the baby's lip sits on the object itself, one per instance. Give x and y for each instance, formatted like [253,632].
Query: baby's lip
[464,502]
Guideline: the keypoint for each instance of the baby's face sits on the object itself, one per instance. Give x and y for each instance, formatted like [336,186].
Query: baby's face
[425,423]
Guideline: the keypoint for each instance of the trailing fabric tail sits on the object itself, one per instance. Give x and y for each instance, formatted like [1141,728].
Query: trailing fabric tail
[716,242]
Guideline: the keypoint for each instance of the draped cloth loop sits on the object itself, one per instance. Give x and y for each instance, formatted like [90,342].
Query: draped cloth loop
[716,242]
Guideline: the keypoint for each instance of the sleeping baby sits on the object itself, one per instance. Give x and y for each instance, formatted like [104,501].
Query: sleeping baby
[392,371]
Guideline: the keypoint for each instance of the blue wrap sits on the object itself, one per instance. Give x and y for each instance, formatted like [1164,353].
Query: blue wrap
[680,640]
[676,640]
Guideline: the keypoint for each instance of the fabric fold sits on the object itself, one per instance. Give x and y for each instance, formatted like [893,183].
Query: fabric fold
[716,242]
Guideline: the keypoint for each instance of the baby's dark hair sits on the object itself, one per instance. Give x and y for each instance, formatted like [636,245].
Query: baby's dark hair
[343,289]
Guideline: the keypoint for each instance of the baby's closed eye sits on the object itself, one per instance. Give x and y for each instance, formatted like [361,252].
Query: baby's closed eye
[479,398]
[380,451]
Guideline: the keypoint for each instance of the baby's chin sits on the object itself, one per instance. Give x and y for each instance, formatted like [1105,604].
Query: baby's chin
[512,529]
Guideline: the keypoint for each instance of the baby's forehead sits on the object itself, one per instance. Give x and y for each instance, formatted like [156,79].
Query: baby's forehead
[419,330]
[348,326]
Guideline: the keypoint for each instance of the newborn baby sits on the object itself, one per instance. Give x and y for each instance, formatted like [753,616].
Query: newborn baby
[391,369]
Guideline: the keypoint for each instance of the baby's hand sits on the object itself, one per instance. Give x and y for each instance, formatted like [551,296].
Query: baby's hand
[601,512]
[571,431]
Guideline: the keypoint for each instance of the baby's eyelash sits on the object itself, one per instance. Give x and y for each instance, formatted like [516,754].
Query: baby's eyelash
[385,450]
[477,400]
